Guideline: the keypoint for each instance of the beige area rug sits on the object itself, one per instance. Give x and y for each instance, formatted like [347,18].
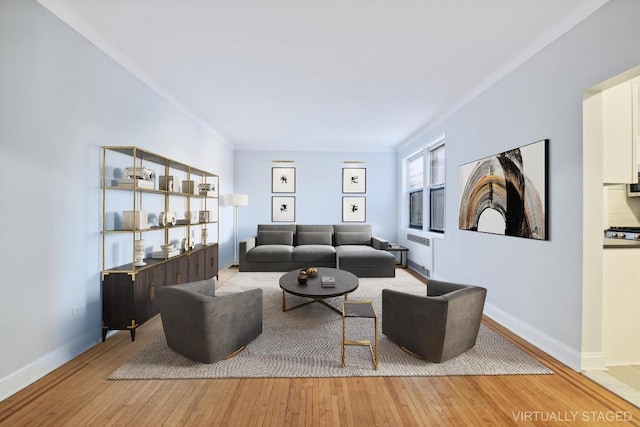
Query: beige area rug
[305,342]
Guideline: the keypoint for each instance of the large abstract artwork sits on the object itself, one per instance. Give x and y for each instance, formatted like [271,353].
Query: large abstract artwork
[507,193]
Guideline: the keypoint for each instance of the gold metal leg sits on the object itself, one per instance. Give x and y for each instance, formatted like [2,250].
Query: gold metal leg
[343,337]
[318,300]
[235,353]
[345,342]
[410,353]
[376,329]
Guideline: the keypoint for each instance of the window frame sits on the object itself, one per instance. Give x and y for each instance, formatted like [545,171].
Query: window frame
[437,186]
[413,225]
[428,188]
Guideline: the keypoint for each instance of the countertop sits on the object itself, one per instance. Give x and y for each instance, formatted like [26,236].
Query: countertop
[620,243]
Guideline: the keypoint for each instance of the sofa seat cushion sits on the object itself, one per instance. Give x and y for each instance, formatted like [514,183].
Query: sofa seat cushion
[270,253]
[318,254]
[362,255]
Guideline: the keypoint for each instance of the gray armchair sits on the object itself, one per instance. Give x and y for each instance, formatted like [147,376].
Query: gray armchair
[435,327]
[205,327]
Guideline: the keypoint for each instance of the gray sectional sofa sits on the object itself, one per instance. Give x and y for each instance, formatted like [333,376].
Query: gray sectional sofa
[349,247]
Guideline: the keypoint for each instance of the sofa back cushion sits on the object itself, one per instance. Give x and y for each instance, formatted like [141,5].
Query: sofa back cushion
[313,238]
[275,237]
[353,238]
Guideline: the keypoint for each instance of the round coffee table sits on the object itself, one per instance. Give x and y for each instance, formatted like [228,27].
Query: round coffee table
[345,283]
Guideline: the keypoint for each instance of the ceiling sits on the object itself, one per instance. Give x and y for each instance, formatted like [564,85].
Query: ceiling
[344,75]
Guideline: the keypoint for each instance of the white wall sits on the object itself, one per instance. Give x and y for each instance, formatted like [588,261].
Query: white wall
[60,100]
[535,287]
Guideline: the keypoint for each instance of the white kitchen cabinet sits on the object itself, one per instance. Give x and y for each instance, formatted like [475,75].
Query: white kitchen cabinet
[620,314]
[620,134]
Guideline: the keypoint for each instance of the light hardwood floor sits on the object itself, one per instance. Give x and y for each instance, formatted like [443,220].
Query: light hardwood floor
[78,394]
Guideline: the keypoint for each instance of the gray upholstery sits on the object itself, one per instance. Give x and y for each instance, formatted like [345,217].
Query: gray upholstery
[205,327]
[314,254]
[313,238]
[437,326]
[352,238]
[271,253]
[313,245]
[275,237]
[365,261]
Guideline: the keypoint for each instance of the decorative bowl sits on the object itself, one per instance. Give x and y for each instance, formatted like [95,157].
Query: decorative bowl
[312,272]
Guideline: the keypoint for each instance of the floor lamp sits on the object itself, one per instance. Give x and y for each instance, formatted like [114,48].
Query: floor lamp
[235,200]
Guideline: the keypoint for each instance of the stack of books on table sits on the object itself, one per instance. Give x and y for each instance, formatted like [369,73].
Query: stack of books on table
[328,282]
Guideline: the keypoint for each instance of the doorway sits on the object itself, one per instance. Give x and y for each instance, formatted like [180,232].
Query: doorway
[609,354]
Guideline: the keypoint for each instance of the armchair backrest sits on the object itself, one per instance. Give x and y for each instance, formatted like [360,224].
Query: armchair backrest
[442,324]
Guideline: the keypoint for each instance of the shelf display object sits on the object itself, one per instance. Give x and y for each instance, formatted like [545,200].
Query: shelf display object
[159,228]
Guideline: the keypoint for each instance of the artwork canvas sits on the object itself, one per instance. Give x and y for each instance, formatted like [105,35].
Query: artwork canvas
[283,180]
[354,209]
[283,208]
[354,180]
[507,193]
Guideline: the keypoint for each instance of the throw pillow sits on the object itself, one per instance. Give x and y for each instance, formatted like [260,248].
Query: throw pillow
[275,237]
[313,238]
[352,238]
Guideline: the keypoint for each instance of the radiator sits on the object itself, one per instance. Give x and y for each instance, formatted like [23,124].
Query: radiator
[420,254]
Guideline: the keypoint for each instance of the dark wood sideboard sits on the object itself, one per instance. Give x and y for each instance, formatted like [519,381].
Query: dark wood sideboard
[129,299]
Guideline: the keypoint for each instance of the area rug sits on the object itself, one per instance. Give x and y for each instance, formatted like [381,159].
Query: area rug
[305,342]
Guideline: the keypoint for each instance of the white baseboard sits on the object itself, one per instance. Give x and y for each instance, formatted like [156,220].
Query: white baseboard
[593,362]
[544,342]
[32,372]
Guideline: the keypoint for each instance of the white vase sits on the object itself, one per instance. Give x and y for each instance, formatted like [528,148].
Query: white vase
[139,253]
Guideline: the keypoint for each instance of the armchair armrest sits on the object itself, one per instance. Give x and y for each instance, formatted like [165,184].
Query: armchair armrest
[379,243]
[245,246]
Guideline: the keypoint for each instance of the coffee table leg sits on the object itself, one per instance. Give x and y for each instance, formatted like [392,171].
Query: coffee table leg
[284,305]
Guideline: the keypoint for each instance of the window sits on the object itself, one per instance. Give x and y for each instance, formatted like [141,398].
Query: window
[436,189]
[427,177]
[415,167]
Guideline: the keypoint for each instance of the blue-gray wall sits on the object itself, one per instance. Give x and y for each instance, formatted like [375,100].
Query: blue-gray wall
[60,100]
[318,188]
[535,287]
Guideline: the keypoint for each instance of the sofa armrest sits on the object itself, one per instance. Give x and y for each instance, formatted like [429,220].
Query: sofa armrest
[379,243]
[245,246]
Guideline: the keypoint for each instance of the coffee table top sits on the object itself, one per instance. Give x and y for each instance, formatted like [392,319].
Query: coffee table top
[345,282]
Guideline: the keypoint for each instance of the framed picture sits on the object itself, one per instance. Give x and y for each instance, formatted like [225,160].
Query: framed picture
[507,193]
[283,180]
[354,180]
[354,209]
[283,208]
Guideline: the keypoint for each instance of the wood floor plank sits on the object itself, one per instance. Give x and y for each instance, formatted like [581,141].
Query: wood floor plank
[79,394]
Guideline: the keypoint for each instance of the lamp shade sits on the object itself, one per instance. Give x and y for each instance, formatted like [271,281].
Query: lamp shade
[234,200]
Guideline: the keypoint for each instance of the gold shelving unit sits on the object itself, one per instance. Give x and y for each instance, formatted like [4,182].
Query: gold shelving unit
[129,290]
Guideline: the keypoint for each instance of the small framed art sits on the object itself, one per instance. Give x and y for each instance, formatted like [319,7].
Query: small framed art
[354,180]
[283,180]
[283,208]
[354,209]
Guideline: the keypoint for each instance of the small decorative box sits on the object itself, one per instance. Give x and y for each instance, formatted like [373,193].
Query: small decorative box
[189,187]
[134,220]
